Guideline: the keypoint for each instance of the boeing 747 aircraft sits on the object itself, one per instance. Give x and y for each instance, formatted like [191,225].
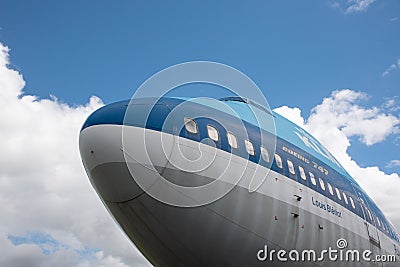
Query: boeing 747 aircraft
[284,200]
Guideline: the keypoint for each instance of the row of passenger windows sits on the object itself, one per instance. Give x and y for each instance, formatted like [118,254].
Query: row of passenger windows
[380,224]
[213,134]
[332,190]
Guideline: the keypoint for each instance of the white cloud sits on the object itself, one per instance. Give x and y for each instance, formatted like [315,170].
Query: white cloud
[341,111]
[391,104]
[293,113]
[391,68]
[351,6]
[393,163]
[335,121]
[394,19]
[356,6]
[44,188]
[46,199]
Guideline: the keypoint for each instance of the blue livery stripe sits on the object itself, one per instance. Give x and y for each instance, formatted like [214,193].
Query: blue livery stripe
[292,142]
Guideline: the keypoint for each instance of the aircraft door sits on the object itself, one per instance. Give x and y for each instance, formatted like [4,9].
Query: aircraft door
[369,218]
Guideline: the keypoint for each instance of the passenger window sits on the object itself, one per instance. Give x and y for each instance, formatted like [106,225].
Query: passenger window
[352,202]
[232,140]
[345,198]
[322,184]
[330,188]
[212,132]
[379,222]
[264,154]
[278,161]
[190,125]
[291,167]
[249,147]
[338,194]
[302,173]
[369,214]
[312,177]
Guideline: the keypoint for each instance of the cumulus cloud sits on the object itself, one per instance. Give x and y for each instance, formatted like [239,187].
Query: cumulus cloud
[50,215]
[352,6]
[392,104]
[356,6]
[342,112]
[391,68]
[393,163]
[293,113]
[340,117]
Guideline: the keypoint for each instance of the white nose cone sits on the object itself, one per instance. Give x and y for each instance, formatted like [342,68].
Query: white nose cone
[115,163]
[100,148]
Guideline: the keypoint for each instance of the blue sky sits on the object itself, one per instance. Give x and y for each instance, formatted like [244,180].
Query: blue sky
[297,52]
[47,243]
[294,50]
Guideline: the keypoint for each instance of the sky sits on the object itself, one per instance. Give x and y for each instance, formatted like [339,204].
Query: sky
[332,67]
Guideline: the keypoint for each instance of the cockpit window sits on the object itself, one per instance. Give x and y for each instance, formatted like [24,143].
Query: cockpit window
[247,101]
[190,125]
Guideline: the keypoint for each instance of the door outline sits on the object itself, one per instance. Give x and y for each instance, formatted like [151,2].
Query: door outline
[368,218]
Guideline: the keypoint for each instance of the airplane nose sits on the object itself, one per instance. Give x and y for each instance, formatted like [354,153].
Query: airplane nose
[112,170]
[195,218]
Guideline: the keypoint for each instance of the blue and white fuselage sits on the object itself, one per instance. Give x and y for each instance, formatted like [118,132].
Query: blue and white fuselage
[305,200]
